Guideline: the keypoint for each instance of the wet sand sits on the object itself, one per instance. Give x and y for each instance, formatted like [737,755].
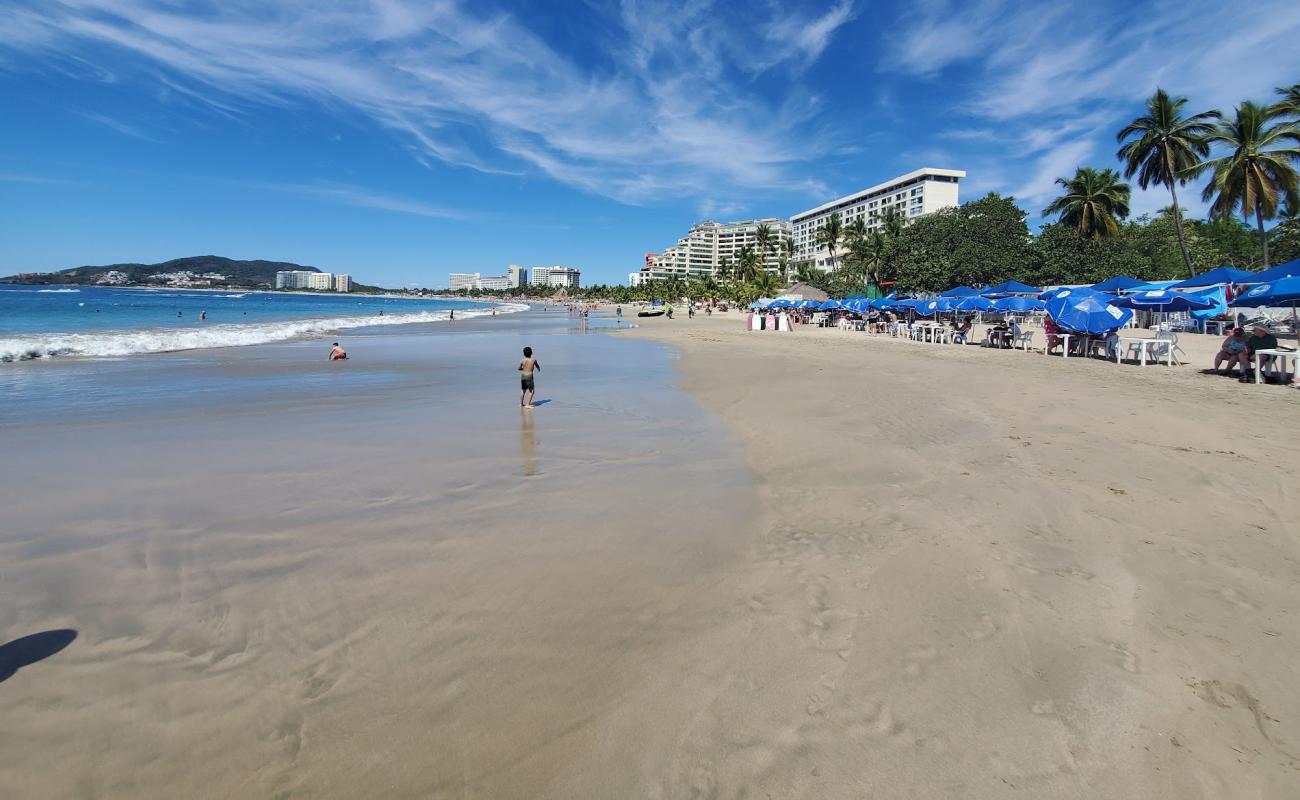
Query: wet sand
[404,587]
[994,574]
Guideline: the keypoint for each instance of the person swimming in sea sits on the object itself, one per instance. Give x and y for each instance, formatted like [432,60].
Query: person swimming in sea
[337,353]
[203,314]
[527,388]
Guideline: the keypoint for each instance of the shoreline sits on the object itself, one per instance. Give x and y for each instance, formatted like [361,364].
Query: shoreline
[990,571]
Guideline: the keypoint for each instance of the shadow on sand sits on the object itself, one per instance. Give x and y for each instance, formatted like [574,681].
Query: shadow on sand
[29,649]
[537,403]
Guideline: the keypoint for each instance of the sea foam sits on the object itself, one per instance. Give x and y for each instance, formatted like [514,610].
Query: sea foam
[164,340]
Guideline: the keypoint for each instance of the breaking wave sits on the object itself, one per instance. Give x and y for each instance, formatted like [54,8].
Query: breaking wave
[164,340]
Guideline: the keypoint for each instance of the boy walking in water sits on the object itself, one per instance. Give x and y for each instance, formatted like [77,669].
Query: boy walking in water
[527,366]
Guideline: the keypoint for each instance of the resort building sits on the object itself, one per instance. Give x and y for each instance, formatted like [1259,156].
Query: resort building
[518,276]
[556,277]
[295,279]
[343,283]
[320,281]
[702,251]
[913,195]
[474,281]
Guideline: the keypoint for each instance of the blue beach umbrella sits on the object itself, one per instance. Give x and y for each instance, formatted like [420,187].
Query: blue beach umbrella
[975,303]
[1216,276]
[1010,287]
[829,305]
[1087,312]
[1288,270]
[959,291]
[1018,305]
[1163,300]
[1119,283]
[807,304]
[1281,292]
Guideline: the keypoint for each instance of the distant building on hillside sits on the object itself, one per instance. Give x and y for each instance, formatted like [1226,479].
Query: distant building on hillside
[913,195]
[343,283]
[708,245]
[518,276]
[293,279]
[318,281]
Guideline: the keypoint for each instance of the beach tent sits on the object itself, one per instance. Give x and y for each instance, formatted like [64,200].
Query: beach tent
[1215,277]
[1010,287]
[1288,270]
[830,305]
[1018,305]
[1087,312]
[959,291]
[1165,301]
[975,303]
[1119,283]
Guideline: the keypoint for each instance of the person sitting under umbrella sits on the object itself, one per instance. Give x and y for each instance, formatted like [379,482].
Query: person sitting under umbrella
[1230,352]
[960,332]
[1052,331]
[1260,339]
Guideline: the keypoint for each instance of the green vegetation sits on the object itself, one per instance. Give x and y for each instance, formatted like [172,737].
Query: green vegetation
[237,274]
[1093,204]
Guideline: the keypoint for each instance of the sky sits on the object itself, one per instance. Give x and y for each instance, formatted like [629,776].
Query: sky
[400,140]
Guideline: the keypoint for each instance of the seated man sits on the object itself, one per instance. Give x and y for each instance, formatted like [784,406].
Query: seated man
[960,332]
[1260,339]
[1231,349]
[1053,333]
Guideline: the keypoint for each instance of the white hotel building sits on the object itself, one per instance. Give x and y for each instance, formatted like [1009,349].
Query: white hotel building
[701,251]
[914,195]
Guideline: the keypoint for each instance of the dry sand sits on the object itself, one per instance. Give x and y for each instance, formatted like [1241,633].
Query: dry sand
[998,574]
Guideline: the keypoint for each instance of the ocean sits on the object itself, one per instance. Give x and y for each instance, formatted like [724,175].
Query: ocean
[90,321]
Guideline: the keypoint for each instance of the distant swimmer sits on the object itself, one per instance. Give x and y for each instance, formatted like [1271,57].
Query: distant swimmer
[203,314]
[337,353]
[453,315]
[180,313]
[527,389]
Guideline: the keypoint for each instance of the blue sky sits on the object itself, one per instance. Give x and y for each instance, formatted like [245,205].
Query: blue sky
[399,140]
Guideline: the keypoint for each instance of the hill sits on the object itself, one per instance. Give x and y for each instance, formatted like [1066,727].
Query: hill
[233,273]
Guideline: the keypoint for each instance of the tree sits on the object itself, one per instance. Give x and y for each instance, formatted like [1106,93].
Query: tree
[748,265]
[724,269]
[983,241]
[805,272]
[766,284]
[892,222]
[1162,147]
[828,236]
[763,238]
[1232,238]
[1094,202]
[785,251]
[1257,174]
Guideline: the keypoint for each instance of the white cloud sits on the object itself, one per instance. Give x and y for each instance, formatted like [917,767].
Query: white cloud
[362,198]
[662,108]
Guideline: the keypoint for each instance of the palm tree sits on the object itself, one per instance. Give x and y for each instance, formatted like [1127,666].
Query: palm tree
[1257,175]
[784,253]
[855,231]
[1163,146]
[763,239]
[828,236]
[1290,102]
[1094,202]
[724,269]
[805,271]
[747,264]
[892,222]
[766,284]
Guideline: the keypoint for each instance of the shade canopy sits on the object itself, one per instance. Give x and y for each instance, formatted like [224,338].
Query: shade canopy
[975,303]
[1087,312]
[1119,283]
[1214,277]
[1288,270]
[1164,300]
[1018,305]
[1010,287]
[1281,292]
[959,291]
[830,305]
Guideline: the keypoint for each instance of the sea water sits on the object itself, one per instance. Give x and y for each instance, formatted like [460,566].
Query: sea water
[88,321]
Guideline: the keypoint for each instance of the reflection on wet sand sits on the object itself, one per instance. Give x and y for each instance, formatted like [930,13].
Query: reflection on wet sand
[528,441]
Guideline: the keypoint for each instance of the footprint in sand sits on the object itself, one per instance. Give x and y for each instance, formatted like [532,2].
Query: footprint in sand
[1233,596]
[983,629]
[919,659]
[1127,659]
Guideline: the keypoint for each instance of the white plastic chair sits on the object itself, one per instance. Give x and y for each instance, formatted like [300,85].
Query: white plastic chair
[1024,339]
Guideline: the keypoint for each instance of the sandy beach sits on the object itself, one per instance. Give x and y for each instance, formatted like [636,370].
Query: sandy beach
[997,574]
[714,564]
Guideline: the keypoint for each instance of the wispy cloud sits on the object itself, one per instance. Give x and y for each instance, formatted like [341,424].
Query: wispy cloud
[665,107]
[362,198]
[118,125]
[14,177]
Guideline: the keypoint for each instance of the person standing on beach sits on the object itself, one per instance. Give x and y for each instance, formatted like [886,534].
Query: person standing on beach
[527,389]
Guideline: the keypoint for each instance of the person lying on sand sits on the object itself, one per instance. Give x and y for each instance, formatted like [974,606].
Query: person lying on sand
[337,353]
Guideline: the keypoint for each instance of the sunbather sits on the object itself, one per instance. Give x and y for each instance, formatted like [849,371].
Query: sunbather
[1231,349]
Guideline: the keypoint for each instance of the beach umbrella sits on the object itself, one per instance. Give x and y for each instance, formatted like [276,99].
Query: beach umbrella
[1216,276]
[1280,293]
[1018,305]
[1163,300]
[1010,287]
[829,305]
[1087,312]
[959,291]
[1119,283]
[1288,270]
[807,304]
[975,303]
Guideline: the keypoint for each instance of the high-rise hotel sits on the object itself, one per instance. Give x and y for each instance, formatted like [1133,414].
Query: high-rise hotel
[913,195]
[703,249]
